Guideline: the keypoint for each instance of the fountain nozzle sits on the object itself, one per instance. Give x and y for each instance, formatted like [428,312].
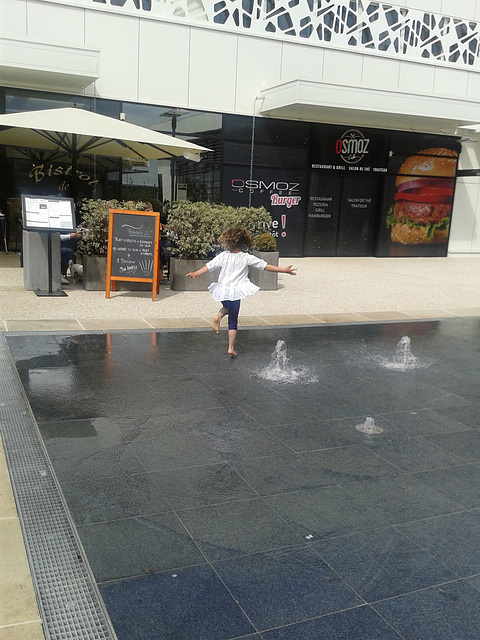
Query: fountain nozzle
[369,427]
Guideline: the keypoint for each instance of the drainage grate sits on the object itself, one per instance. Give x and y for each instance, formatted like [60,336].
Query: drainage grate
[69,602]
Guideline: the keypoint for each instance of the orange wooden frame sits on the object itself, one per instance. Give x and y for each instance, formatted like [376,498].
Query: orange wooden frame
[112,280]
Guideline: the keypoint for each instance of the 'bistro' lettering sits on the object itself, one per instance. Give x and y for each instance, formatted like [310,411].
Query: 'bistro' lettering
[39,172]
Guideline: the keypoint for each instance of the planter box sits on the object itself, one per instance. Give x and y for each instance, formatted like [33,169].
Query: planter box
[95,276]
[94,273]
[178,280]
[266,280]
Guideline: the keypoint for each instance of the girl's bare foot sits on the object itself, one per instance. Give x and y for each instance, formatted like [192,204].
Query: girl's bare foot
[216,324]
[232,354]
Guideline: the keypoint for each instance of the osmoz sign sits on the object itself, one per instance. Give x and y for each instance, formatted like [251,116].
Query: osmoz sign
[352,146]
[240,185]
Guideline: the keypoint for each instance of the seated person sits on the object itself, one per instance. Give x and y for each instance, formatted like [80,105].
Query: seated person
[66,253]
[164,244]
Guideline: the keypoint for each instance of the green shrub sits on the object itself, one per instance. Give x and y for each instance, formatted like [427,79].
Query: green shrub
[256,220]
[94,222]
[265,242]
[195,226]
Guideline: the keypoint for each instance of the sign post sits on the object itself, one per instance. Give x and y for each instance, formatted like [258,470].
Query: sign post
[133,241]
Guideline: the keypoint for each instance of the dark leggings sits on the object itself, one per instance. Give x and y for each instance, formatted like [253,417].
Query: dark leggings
[66,254]
[233,307]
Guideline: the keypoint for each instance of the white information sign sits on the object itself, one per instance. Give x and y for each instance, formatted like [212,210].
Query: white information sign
[48,214]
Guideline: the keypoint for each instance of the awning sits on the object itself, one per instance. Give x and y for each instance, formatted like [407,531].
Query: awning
[80,132]
[337,104]
[47,66]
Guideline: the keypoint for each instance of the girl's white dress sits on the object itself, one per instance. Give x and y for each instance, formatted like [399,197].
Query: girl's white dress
[233,282]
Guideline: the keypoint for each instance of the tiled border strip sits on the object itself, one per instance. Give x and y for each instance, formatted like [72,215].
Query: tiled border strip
[68,599]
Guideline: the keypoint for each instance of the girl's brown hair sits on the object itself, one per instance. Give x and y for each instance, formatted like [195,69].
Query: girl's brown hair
[236,238]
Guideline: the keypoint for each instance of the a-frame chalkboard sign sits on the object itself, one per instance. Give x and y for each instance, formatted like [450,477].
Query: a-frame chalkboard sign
[133,240]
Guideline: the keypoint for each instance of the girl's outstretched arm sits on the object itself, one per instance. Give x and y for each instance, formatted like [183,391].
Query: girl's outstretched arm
[196,273]
[289,269]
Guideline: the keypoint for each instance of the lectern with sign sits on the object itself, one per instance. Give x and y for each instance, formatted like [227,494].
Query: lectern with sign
[43,217]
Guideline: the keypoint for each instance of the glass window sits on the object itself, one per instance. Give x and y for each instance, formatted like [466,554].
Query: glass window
[49,173]
[179,177]
[21,100]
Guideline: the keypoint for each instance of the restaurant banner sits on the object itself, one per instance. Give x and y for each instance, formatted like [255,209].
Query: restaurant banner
[418,196]
[323,214]
[358,208]
[282,193]
[352,149]
[341,214]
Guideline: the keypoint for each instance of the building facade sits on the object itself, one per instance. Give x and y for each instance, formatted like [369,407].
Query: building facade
[311,108]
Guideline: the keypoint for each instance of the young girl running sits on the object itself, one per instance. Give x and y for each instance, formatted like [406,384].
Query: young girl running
[233,283]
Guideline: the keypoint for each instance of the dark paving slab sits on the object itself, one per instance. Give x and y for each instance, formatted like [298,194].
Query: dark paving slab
[465,445]
[400,499]
[453,538]
[134,546]
[215,504]
[190,603]
[238,528]
[88,449]
[460,484]
[279,587]
[325,512]
[447,611]
[382,564]
[361,623]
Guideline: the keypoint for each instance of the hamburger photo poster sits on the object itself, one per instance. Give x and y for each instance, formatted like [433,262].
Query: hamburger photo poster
[418,201]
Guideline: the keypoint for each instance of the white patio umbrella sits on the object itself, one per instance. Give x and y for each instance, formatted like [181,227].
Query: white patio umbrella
[79,132]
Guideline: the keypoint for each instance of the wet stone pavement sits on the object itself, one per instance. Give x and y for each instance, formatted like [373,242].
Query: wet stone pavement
[213,504]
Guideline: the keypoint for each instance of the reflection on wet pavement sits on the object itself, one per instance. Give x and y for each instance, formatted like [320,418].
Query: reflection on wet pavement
[213,504]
